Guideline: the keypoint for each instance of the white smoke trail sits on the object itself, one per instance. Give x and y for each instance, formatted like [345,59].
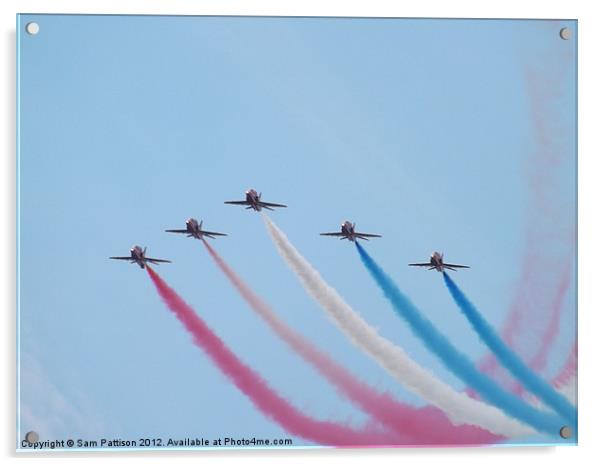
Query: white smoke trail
[460,408]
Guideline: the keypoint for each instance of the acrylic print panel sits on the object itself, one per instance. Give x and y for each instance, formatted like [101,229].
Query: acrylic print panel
[288,134]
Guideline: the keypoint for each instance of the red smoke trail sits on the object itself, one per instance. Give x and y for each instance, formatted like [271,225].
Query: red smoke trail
[568,369]
[513,326]
[257,390]
[540,360]
[419,426]
[532,323]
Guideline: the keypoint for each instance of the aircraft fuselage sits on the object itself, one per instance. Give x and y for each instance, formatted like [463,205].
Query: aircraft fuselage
[253,199]
[138,256]
[193,227]
[437,261]
[348,229]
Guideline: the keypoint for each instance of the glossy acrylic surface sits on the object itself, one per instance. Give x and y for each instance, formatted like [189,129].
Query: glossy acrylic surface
[456,136]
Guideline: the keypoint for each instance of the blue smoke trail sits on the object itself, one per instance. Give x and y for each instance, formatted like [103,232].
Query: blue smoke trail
[508,358]
[457,362]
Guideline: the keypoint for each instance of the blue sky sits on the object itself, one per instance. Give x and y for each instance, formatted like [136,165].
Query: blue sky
[416,129]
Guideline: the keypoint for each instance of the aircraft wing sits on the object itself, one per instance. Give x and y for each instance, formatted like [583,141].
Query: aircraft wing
[368,235]
[422,265]
[456,266]
[270,204]
[176,231]
[237,202]
[332,234]
[156,261]
[128,258]
[213,233]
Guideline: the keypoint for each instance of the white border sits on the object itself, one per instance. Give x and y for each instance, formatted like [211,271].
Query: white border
[590,234]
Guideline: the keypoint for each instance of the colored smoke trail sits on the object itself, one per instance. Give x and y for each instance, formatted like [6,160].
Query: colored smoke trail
[540,360]
[270,403]
[569,389]
[551,231]
[565,380]
[507,357]
[569,369]
[418,426]
[514,328]
[454,360]
[460,408]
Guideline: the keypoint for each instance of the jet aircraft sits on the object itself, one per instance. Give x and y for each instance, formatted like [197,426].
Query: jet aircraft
[138,256]
[253,201]
[348,232]
[194,229]
[436,263]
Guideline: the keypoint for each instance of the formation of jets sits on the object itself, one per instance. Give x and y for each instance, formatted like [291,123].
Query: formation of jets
[194,229]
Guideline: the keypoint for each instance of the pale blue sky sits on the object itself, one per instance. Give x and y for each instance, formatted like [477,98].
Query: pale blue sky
[416,129]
